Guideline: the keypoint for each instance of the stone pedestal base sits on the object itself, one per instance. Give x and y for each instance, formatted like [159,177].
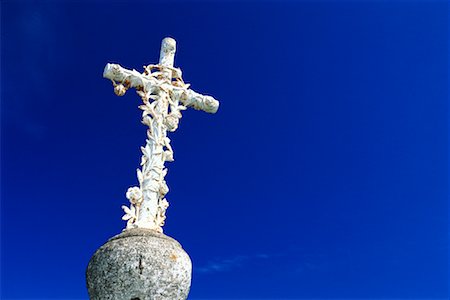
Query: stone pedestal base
[139,264]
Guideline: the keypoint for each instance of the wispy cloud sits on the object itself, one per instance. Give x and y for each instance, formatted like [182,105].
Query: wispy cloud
[229,263]
[299,260]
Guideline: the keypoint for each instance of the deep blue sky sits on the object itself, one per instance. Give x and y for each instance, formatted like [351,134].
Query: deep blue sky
[323,175]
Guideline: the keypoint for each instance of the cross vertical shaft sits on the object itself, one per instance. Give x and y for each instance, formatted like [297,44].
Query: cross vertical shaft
[167,54]
[153,206]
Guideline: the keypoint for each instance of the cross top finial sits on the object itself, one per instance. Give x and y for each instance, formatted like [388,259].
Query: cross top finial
[167,54]
[164,95]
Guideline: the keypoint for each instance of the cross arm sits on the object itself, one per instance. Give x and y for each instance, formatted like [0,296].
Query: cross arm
[128,78]
[195,100]
[134,79]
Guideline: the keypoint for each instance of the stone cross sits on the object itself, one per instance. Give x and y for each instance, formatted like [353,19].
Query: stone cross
[164,95]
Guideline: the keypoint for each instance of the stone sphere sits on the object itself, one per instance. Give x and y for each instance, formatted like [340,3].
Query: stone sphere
[139,264]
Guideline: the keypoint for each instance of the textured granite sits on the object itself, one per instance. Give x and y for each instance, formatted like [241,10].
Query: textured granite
[139,264]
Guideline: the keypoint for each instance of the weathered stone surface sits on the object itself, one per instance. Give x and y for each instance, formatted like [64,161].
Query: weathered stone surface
[139,264]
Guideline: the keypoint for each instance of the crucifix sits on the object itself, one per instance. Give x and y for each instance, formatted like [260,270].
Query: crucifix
[164,95]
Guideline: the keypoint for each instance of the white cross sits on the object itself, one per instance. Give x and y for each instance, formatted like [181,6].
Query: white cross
[164,95]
